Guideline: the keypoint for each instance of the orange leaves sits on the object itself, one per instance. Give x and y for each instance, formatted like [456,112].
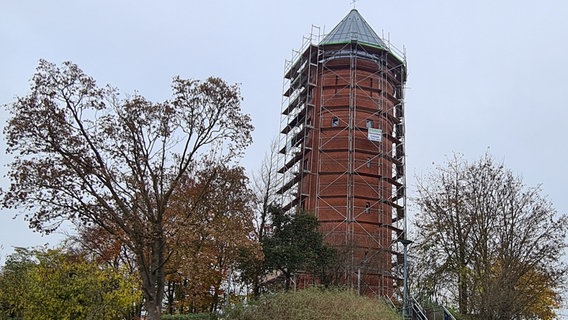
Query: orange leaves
[210,221]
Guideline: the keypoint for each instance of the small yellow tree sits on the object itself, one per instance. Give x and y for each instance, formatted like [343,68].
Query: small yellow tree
[55,284]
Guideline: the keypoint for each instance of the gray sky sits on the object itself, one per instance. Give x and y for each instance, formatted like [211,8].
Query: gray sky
[482,74]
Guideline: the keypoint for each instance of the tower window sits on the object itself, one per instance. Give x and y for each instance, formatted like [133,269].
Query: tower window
[368,162]
[369,123]
[336,83]
[334,121]
[367,207]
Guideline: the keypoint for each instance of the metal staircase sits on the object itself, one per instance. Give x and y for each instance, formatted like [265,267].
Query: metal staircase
[415,311]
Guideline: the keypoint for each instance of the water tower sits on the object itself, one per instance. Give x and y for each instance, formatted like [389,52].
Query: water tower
[342,147]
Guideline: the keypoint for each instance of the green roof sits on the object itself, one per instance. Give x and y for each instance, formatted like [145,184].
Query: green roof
[353,28]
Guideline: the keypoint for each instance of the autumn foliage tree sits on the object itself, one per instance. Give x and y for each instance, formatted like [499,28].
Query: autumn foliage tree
[488,243]
[102,247]
[206,249]
[83,154]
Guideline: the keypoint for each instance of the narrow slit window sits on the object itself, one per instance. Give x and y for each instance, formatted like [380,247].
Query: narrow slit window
[367,207]
[336,83]
[368,162]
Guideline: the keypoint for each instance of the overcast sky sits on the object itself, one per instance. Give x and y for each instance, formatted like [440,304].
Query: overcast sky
[482,74]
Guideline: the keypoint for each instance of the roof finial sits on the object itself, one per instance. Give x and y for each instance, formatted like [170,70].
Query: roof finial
[354,3]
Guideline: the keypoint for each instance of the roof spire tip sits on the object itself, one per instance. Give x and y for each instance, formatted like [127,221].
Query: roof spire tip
[354,4]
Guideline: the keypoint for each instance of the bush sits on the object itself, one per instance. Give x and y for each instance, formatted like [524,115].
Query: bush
[314,304]
[192,316]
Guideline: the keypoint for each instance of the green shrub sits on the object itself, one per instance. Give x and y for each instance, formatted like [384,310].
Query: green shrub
[192,316]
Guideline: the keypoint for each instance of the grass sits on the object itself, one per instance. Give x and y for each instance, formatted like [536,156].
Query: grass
[314,304]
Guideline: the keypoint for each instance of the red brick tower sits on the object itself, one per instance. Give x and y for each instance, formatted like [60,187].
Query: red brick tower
[343,149]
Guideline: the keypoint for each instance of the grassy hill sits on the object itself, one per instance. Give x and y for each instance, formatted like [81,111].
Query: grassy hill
[314,304]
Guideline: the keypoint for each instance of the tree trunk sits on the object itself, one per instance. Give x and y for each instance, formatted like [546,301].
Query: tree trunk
[462,296]
[152,301]
[152,275]
[214,302]
[256,286]
[287,280]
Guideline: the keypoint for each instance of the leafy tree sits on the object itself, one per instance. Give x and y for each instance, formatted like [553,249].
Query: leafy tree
[83,154]
[205,252]
[489,243]
[295,245]
[102,247]
[53,284]
[251,269]
[14,283]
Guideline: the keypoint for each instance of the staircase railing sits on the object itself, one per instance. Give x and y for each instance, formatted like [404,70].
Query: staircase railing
[416,312]
[447,314]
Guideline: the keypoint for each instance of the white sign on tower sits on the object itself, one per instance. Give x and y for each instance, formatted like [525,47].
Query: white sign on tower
[375,134]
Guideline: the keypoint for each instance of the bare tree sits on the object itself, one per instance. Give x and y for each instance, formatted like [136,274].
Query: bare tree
[488,242]
[82,154]
[265,184]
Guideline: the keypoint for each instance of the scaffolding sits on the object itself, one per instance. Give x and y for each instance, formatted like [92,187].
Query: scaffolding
[342,153]
[297,122]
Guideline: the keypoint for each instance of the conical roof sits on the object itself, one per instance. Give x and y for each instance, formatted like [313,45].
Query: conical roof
[353,27]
